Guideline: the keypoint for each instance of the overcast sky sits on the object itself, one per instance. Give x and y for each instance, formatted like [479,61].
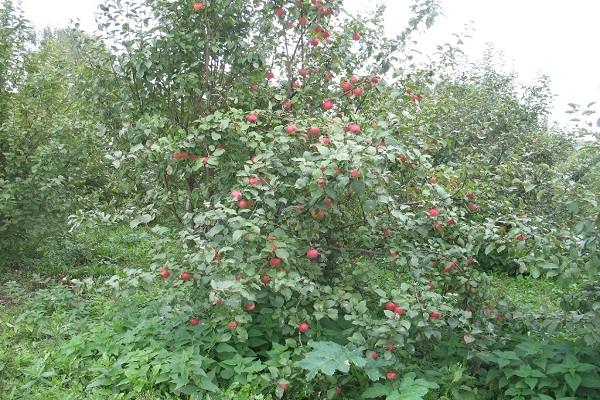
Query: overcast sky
[556,38]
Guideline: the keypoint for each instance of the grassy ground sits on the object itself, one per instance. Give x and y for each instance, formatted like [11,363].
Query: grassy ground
[44,303]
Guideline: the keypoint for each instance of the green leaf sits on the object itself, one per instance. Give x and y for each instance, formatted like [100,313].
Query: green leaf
[377,390]
[573,380]
[328,357]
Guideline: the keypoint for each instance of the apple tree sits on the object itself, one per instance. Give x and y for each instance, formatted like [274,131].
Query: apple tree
[298,163]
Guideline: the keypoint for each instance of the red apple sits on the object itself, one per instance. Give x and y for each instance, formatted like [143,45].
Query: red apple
[315,130]
[469,261]
[327,201]
[415,97]
[164,273]
[312,254]
[302,21]
[328,104]
[270,75]
[242,204]
[250,306]
[276,262]
[399,310]
[451,221]
[303,327]
[338,390]
[194,321]
[472,207]
[432,180]
[252,118]
[279,12]
[287,104]
[236,194]
[438,226]
[303,72]
[325,140]
[356,36]
[434,315]
[354,128]
[291,129]
[431,286]
[433,212]
[375,79]
[391,375]
[232,325]
[374,355]
[390,306]
[520,237]
[346,86]
[314,41]
[185,276]
[283,386]
[253,181]
[296,84]
[353,79]
[357,91]
[204,160]
[198,6]
[394,254]
[355,173]
[265,279]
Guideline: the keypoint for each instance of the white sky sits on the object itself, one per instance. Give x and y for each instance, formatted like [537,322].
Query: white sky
[557,38]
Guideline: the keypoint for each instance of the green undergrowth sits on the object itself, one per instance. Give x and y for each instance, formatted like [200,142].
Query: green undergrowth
[95,324]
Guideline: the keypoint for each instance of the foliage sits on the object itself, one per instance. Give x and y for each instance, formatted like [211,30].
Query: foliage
[50,166]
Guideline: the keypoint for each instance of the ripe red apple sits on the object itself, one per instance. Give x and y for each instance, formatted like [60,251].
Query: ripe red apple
[408,90]
[276,262]
[252,118]
[232,325]
[242,204]
[402,157]
[287,104]
[328,104]
[265,279]
[434,315]
[386,232]
[238,277]
[185,276]
[198,6]
[394,254]
[283,386]
[391,375]
[193,157]
[302,21]
[312,254]
[431,286]
[236,194]
[327,201]
[450,267]
[279,12]
[325,140]
[164,273]
[204,160]
[390,306]
[354,128]
[356,36]
[303,72]
[433,212]
[415,97]
[355,173]
[357,91]
[318,215]
[451,221]
[270,75]
[374,355]
[250,306]
[315,130]
[303,327]
[291,129]
[346,86]
[194,321]
[399,310]
[432,180]
[253,181]
[520,238]
[375,79]
[296,84]
[353,79]
[314,41]
[338,390]
[438,226]
[472,207]
[469,261]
